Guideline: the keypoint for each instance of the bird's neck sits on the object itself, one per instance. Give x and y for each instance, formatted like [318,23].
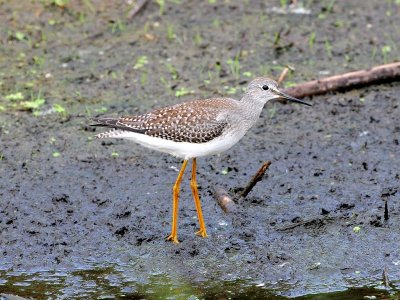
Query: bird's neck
[251,107]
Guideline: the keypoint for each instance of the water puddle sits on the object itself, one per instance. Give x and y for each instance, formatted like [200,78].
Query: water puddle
[112,283]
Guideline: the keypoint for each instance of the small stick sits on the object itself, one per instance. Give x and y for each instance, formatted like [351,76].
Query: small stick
[134,11]
[305,223]
[226,202]
[381,73]
[223,199]
[256,178]
[386,278]
[284,73]
[386,213]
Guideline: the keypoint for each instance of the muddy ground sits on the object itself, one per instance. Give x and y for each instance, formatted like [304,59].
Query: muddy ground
[84,218]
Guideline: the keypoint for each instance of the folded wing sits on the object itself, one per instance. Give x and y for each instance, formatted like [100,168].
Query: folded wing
[194,122]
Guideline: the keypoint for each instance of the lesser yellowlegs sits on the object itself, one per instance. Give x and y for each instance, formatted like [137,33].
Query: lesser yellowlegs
[194,129]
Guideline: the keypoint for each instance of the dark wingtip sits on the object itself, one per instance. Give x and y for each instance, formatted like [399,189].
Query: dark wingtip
[98,125]
[97,122]
[104,122]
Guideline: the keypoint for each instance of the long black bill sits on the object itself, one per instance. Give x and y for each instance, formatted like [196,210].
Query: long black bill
[290,98]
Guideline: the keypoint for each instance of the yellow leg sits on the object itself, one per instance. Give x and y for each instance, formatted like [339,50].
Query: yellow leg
[174,232]
[193,184]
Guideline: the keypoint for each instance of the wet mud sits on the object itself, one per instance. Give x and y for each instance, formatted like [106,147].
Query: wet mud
[81,217]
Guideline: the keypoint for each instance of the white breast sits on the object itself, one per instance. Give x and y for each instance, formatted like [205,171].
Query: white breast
[183,150]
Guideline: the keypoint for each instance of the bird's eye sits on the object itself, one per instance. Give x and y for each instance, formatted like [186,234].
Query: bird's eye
[265,87]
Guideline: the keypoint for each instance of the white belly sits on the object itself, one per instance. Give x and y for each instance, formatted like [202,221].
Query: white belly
[183,150]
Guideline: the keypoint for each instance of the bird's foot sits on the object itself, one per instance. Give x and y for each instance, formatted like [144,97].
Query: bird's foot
[202,233]
[173,238]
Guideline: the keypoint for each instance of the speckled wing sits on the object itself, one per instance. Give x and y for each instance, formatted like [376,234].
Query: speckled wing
[195,122]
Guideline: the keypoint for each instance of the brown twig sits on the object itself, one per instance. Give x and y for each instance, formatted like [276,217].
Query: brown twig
[385,276]
[381,73]
[256,178]
[284,73]
[134,11]
[223,199]
[305,223]
[226,202]
[386,213]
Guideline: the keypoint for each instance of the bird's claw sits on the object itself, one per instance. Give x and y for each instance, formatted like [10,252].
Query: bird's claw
[202,233]
[173,238]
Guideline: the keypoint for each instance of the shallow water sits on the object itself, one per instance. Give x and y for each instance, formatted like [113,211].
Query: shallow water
[113,282]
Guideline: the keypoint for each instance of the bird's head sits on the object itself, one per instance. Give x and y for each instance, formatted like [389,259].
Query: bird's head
[263,89]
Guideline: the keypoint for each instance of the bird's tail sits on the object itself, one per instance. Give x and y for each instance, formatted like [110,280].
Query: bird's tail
[106,122]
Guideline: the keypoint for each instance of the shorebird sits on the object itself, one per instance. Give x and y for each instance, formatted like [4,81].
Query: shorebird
[195,129]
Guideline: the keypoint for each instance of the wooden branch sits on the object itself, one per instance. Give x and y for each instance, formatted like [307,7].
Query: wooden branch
[284,73]
[305,223]
[256,178]
[136,9]
[388,72]
[226,202]
[223,199]
[385,276]
[386,213]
